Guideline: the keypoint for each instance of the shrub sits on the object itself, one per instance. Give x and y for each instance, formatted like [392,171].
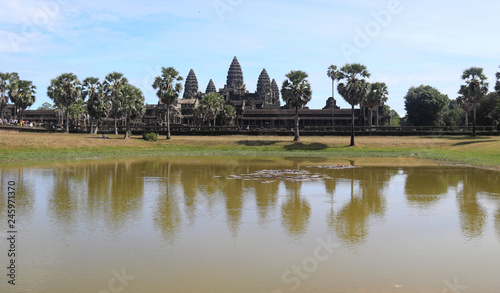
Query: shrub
[150,136]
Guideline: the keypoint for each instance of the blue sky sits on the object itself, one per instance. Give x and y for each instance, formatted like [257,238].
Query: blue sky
[403,43]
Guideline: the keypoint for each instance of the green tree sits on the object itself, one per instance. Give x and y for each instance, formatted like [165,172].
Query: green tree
[114,85]
[65,90]
[210,107]
[452,114]
[77,109]
[466,106]
[228,113]
[46,106]
[23,95]
[131,105]
[474,89]
[7,82]
[333,73]
[487,108]
[98,103]
[497,85]
[296,92]
[168,90]
[376,98]
[424,105]
[353,87]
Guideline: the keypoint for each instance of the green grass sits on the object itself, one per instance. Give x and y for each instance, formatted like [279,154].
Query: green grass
[481,151]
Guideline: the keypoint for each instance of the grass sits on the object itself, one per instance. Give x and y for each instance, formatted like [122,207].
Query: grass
[479,151]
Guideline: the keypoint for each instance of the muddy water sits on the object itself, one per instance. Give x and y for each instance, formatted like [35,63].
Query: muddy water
[251,225]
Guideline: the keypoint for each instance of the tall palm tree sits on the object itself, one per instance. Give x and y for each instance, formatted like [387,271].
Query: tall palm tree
[114,84]
[132,105]
[65,90]
[167,91]
[474,89]
[7,82]
[376,98]
[466,105]
[353,87]
[98,104]
[23,95]
[333,73]
[296,93]
[210,107]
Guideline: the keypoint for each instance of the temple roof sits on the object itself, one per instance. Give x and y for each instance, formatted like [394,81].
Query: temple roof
[264,83]
[191,86]
[235,75]
[211,87]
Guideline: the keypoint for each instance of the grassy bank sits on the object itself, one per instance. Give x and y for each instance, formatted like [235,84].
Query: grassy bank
[479,151]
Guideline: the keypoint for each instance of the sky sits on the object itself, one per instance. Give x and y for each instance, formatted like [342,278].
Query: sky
[401,42]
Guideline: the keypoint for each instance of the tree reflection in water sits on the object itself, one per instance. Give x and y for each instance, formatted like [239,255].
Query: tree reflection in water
[296,211]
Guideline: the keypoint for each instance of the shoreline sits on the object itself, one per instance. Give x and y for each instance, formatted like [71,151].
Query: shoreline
[481,152]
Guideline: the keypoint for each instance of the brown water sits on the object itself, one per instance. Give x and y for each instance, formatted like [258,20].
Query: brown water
[190,225]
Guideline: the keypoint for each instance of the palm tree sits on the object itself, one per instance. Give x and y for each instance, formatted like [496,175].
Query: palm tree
[376,98]
[296,93]
[353,88]
[333,73]
[167,91]
[7,82]
[114,84]
[474,89]
[98,104]
[132,105]
[466,105]
[65,90]
[23,95]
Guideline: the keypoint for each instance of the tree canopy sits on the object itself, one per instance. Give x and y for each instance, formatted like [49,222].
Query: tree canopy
[23,94]
[296,92]
[64,90]
[168,88]
[353,87]
[423,105]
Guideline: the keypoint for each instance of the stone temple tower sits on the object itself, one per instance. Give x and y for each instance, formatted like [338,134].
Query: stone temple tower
[276,93]
[191,86]
[264,90]
[211,87]
[234,82]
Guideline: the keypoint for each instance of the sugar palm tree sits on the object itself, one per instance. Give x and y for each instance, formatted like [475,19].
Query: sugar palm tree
[65,90]
[296,93]
[23,95]
[98,104]
[114,85]
[474,89]
[353,87]
[7,81]
[168,90]
[466,105]
[131,105]
[376,97]
[333,73]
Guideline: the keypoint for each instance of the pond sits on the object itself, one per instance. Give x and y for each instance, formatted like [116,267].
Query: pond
[228,224]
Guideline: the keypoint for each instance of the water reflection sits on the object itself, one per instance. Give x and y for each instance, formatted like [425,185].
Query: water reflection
[181,191]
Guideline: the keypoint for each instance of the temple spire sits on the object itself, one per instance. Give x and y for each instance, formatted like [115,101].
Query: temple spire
[276,93]
[264,89]
[235,76]
[191,86]
[211,87]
